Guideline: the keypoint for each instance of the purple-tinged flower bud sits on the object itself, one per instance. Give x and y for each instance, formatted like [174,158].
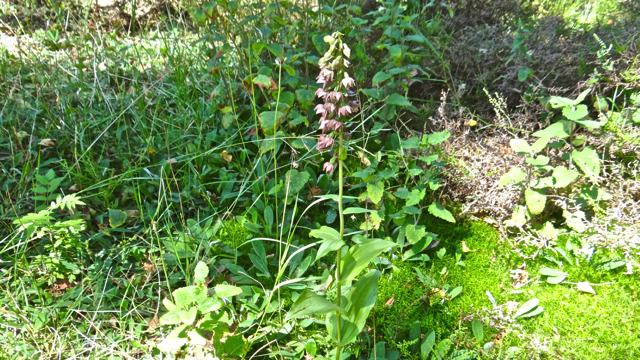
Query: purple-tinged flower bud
[328,167]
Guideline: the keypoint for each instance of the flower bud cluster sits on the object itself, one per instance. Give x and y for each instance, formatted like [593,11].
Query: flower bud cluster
[339,99]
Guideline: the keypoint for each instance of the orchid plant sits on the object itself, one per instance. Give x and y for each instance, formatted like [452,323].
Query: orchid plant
[347,314]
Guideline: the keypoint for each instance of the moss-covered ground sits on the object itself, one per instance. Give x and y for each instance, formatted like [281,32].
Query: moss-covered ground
[574,325]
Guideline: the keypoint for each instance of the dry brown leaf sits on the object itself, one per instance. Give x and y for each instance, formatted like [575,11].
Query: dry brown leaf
[148,267]
[315,191]
[363,158]
[132,213]
[73,188]
[154,322]
[390,301]
[585,287]
[520,276]
[226,156]
[48,142]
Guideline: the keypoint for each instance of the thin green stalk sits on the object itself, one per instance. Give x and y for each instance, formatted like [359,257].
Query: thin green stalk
[340,185]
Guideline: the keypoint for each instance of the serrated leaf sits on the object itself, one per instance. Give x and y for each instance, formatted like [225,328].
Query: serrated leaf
[415,197]
[588,161]
[262,81]
[310,303]
[275,49]
[514,176]
[397,99]
[414,233]
[439,211]
[117,218]
[375,191]
[257,47]
[201,272]
[559,102]
[295,181]
[226,291]
[536,201]
[540,144]
[373,93]
[575,113]
[235,346]
[305,98]
[563,177]
[270,120]
[188,316]
[526,307]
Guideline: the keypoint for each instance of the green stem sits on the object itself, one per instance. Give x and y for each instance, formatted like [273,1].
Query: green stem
[340,185]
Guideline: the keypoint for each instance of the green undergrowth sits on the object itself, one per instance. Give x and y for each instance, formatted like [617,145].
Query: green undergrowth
[573,325]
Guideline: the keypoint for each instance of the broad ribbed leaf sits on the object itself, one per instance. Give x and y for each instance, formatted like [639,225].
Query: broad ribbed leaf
[563,177]
[535,201]
[331,240]
[359,257]
[588,161]
[310,303]
[438,210]
[514,176]
[561,129]
[427,345]
[526,307]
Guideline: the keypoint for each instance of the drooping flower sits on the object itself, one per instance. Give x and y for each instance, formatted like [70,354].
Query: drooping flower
[324,142]
[328,167]
[348,82]
[320,93]
[344,110]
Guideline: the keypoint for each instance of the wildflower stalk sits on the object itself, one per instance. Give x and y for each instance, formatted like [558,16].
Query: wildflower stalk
[339,104]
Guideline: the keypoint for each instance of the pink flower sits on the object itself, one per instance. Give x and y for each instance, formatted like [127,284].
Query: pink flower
[334,96]
[330,125]
[328,167]
[329,108]
[354,106]
[324,142]
[326,73]
[348,82]
[344,110]
[320,109]
[320,93]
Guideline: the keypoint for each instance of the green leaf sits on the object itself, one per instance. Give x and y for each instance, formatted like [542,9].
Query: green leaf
[442,349]
[357,210]
[311,347]
[536,201]
[201,272]
[575,113]
[188,316]
[375,191]
[380,77]
[588,161]
[454,292]
[478,330]
[296,181]
[438,210]
[235,346]
[170,318]
[402,193]
[175,340]
[331,240]
[117,218]
[270,120]
[526,307]
[397,99]
[414,233]
[184,296]
[427,345]
[310,303]
[611,265]
[209,305]
[373,93]
[415,197]
[540,144]
[563,177]
[524,74]
[520,146]
[262,81]
[561,129]
[463,354]
[305,98]
[555,276]
[284,97]
[539,160]
[226,291]
[436,138]
[275,49]
[414,334]
[514,176]
[361,298]
[359,256]
[257,47]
